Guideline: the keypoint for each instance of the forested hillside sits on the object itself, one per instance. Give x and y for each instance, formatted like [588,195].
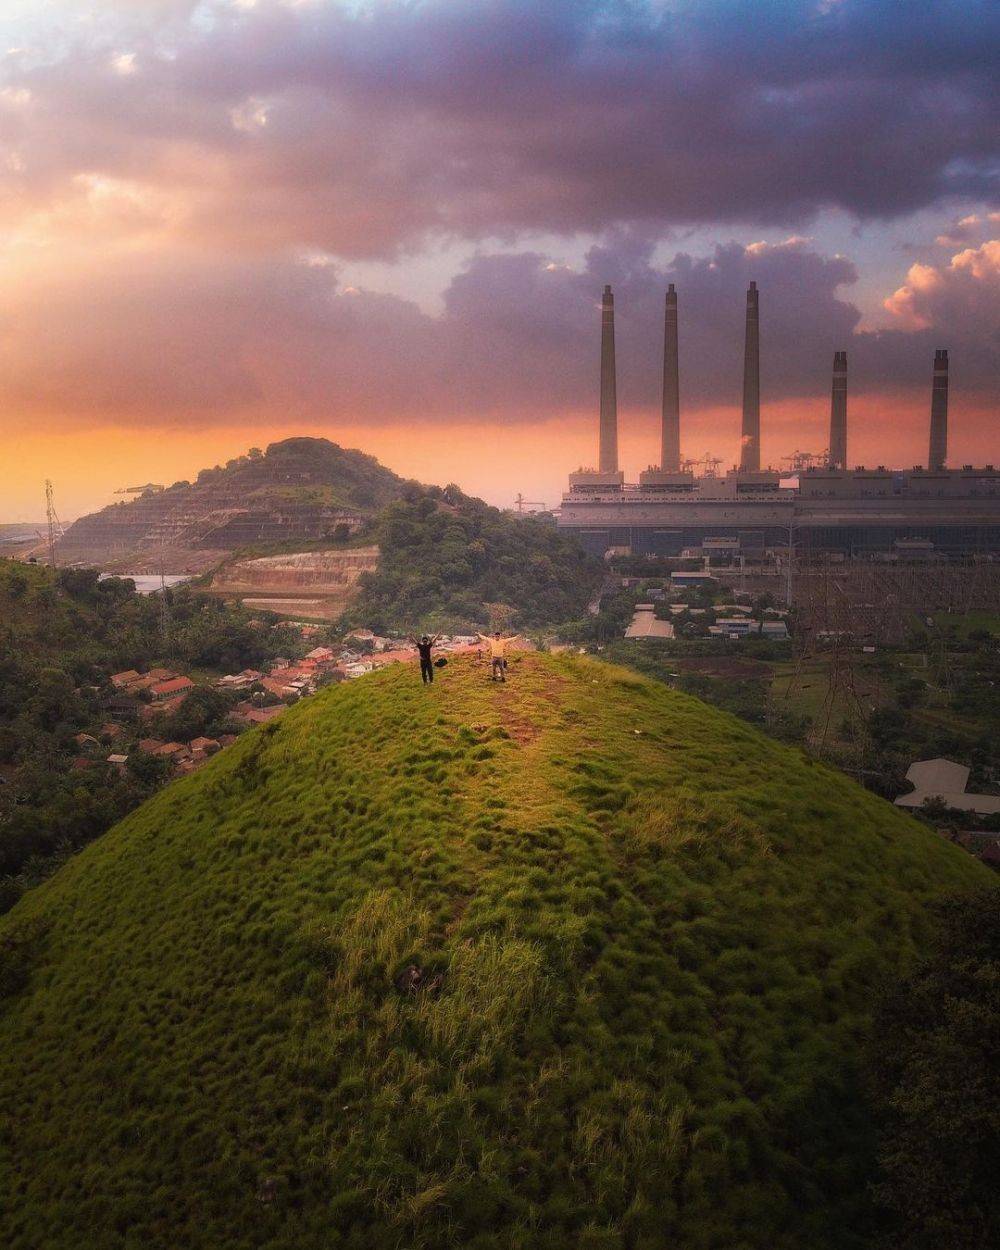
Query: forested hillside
[62,633]
[445,557]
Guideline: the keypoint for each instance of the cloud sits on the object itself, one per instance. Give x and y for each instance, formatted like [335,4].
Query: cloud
[362,129]
[181,185]
[189,338]
[968,229]
[962,296]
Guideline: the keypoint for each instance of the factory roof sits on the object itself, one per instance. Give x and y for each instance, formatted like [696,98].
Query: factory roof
[945,780]
[645,624]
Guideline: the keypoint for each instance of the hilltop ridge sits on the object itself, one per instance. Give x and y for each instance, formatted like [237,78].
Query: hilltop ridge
[573,962]
[300,489]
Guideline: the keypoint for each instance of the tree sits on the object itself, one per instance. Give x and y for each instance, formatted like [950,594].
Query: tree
[935,1076]
[204,711]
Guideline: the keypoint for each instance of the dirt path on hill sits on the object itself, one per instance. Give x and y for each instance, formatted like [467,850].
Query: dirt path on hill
[525,702]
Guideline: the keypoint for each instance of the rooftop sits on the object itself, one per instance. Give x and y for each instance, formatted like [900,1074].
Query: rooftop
[945,780]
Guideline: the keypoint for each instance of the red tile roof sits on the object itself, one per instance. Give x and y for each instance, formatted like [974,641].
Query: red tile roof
[174,686]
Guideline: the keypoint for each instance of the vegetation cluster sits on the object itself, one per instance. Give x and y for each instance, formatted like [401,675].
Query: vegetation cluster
[446,557]
[62,634]
[308,471]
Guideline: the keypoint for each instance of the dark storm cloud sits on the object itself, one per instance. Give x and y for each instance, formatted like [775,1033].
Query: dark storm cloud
[195,339]
[318,125]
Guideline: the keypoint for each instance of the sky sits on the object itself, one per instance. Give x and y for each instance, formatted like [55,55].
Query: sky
[389,222]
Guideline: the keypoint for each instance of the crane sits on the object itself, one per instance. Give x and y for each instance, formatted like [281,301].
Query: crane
[520,503]
[709,463]
[800,460]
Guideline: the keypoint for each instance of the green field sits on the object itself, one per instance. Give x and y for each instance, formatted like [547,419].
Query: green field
[648,940]
[962,624]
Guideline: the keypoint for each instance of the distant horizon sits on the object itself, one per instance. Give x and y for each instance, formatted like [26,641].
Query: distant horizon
[542,480]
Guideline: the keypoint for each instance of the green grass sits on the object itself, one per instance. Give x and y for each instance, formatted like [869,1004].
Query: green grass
[658,936]
[961,624]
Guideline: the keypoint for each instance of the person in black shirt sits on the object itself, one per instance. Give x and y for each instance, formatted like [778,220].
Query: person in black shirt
[423,646]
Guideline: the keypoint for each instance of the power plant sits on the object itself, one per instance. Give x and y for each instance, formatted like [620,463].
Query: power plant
[831,510]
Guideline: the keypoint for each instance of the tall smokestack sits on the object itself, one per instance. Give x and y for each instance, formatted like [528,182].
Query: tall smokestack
[838,413]
[750,444]
[609,397]
[938,455]
[670,452]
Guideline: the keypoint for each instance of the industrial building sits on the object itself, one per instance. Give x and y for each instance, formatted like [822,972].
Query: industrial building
[922,512]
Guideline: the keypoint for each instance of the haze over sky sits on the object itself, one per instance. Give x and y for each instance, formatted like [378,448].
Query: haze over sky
[389,223]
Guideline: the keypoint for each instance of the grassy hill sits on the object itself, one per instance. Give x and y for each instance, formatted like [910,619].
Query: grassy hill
[648,941]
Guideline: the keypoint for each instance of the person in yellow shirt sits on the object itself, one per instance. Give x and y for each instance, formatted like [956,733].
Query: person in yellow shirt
[498,653]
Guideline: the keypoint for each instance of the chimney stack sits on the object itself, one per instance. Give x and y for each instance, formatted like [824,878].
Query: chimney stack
[608,462]
[670,451]
[838,413]
[750,442]
[938,454]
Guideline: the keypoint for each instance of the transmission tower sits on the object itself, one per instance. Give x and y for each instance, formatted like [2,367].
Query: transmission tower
[55,528]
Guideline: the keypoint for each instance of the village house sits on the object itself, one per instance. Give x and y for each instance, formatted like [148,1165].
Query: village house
[165,707]
[171,687]
[172,751]
[207,746]
[153,678]
[121,681]
[122,705]
[401,656]
[239,681]
[250,715]
[277,687]
[118,761]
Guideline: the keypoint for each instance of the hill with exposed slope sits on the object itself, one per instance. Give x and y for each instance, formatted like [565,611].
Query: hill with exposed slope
[572,962]
[299,490]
